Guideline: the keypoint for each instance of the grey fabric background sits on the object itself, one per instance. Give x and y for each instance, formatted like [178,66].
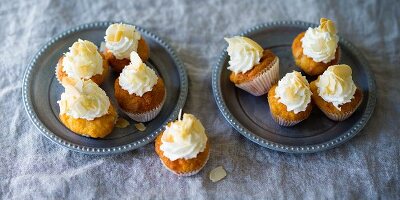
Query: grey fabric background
[367,167]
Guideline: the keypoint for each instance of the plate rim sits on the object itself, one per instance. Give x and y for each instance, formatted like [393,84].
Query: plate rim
[27,101]
[342,138]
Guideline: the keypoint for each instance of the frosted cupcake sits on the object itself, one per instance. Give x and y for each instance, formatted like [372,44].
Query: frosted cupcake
[290,100]
[139,91]
[254,69]
[317,48]
[121,40]
[83,61]
[183,147]
[335,93]
[85,109]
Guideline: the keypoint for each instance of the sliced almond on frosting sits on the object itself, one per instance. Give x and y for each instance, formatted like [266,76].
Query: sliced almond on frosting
[118,34]
[121,123]
[331,27]
[217,174]
[342,70]
[328,25]
[323,20]
[136,61]
[140,126]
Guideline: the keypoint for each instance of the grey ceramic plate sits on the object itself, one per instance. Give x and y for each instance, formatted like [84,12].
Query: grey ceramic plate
[251,117]
[41,91]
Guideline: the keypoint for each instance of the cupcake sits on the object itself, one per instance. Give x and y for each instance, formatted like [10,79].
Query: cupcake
[335,93]
[139,91]
[253,69]
[83,61]
[85,109]
[183,147]
[121,40]
[317,48]
[290,100]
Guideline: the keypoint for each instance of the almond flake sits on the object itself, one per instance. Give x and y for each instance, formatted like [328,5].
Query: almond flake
[140,127]
[217,174]
[121,123]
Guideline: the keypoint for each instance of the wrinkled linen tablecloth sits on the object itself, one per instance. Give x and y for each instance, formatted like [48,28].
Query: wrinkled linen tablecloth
[366,167]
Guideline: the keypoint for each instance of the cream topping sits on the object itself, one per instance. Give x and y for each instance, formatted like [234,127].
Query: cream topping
[336,85]
[137,78]
[244,54]
[122,39]
[83,60]
[293,90]
[184,138]
[320,43]
[83,99]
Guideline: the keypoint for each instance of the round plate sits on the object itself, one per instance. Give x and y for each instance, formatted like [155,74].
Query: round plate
[41,91]
[251,117]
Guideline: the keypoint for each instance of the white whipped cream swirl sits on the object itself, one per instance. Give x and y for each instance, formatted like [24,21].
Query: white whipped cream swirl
[137,78]
[184,138]
[83,99]
[83,60]
[122,39]
[336,85]
[320,43]
[244,54]
[293,90]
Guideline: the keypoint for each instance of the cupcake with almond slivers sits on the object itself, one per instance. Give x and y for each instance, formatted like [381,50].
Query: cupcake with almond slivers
[317,48]
[85,109]
[254,69]
[83,61]
[140,93]
[335,93]
[290,100]
[121,40]
[183,147]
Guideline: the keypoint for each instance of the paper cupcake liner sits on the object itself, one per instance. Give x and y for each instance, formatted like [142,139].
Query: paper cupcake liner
[57,68]
[339,56]
[284,122]
[341,116]
[263,82]
[146,116]
[187,173]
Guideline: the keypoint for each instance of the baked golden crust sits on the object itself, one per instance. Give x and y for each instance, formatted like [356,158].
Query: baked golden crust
[116,64]
[280,109]
[329,107]
[307,64]
[265,62]
[97,128]
[119,64]
[136,104]
[182,166]
[98,78]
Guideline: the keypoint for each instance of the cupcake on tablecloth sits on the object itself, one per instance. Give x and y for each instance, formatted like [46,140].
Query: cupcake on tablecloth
[254,69]
[139,91]
[290,100]
[121,40]
[85,109]
[317,48]
[83,61]
[335,93]
[183,147]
